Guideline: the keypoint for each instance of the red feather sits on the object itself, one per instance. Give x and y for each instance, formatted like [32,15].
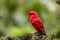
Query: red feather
[36,21]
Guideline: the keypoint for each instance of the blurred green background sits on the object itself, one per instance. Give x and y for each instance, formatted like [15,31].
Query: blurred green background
[14,20]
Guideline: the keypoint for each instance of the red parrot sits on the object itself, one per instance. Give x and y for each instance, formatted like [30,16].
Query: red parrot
[36,22]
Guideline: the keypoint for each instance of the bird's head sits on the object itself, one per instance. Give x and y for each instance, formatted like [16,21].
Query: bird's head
[33,14]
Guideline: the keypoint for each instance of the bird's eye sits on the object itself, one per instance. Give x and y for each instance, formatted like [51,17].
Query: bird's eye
[30,14]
